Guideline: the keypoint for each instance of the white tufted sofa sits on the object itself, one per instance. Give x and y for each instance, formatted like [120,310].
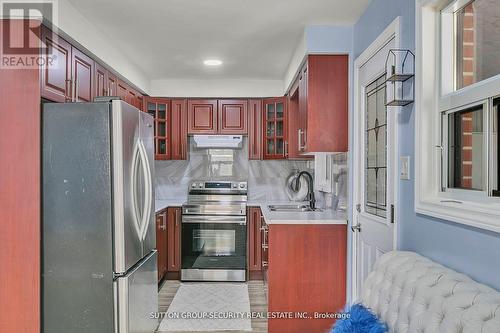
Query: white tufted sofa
[413,294]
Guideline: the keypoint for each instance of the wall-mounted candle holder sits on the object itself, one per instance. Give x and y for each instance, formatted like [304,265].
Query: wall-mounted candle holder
[400,67]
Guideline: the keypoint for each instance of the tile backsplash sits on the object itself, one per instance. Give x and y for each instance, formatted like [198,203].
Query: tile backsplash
[266,179]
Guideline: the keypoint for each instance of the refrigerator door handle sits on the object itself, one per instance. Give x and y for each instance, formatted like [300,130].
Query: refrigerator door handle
[141,168]
[148,190]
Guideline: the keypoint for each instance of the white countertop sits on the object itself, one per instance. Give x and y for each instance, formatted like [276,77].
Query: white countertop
[326,216]
[164,203]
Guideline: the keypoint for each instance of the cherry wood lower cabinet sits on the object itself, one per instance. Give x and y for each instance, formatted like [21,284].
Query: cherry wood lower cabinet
[161,243]
[254,241]
[307,273]
[174,243]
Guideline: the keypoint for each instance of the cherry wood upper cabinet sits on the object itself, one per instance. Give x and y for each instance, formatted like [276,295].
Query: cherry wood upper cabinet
[112,85]
[323,104]
[202,116]
[275,128]
[56,75]
[173,242]
[179,129]
[161,243]
[159,109]
[233,116]
[122,90]
[255,129]
[83,74]
[100,80]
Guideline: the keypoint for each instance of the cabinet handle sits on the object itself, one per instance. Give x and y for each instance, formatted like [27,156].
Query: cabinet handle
[66,90]
[300,139]
[77,90]
[286,148]
[265,263]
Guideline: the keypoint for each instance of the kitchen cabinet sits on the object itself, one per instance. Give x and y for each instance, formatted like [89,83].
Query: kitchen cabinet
[254,251]
[173,242]
[232,116]
[122,90]
[73,76]
[112,85]
[161,243]
[322,120]
[83,74]
[170,128]
[264,230]
[179,149]
[100,80]
[214,116]
[255,129]
[202,116]
[55,78]
[275,128]
[309,260]
[159,108]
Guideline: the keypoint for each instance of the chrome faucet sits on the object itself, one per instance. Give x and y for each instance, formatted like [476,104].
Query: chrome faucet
[310,193]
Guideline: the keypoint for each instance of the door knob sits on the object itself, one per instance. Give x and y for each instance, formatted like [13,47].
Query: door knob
[356,227]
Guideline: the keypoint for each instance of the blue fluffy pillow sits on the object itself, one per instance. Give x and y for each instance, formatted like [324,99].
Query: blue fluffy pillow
[360,320]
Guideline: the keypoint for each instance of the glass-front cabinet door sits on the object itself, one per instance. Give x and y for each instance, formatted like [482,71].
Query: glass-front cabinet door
[159,108]
[275,134]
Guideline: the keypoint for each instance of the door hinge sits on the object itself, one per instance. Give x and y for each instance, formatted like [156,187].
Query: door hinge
[392,213]
[358,208]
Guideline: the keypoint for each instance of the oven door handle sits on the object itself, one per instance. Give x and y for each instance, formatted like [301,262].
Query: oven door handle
[213,219]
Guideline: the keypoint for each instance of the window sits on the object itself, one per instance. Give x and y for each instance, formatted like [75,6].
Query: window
[495,156]
[477,43]
[376,149]
[465,149]
[457,102]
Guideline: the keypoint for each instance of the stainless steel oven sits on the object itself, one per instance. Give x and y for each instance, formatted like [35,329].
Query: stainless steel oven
[214,232]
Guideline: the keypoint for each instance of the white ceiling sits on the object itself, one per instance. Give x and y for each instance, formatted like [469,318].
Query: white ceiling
[254,38]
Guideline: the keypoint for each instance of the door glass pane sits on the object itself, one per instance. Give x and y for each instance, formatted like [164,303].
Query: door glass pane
[376,149]
[270,129]
[270,146]
[279,146]
[279,110]
[477,42]
[279,128]
[371,157]
[270,111]
[162,111]
[466,149]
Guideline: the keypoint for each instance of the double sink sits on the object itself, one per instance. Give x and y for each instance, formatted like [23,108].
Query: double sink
[292,208]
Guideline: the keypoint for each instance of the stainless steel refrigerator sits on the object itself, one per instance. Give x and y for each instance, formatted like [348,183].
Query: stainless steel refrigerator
[99,268]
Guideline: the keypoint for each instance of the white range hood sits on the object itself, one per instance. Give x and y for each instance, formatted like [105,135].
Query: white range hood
[218,141]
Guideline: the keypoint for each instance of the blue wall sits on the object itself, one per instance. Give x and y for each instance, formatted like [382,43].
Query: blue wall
[472,251]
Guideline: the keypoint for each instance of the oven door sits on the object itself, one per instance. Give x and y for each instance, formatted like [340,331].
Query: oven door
[213,242]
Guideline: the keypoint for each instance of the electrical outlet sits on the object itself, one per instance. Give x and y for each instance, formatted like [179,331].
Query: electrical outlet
[404,168]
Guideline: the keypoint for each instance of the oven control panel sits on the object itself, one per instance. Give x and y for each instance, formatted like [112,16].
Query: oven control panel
[219,186]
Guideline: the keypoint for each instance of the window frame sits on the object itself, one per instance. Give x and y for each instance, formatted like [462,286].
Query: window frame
[435,93]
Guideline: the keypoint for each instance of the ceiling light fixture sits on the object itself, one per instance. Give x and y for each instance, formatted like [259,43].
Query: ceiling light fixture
[212,62]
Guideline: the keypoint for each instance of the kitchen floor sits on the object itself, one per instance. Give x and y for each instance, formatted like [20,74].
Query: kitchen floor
[258,303]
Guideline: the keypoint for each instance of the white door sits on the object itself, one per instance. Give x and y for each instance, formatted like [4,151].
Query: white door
[375,155]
